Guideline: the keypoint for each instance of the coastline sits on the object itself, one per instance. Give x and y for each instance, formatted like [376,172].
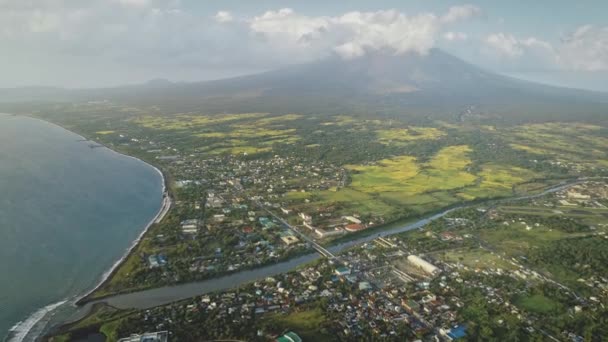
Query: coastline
[22,329]
[166,204]
[163,210]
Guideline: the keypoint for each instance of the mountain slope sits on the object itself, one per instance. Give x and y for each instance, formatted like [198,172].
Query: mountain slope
[437,85]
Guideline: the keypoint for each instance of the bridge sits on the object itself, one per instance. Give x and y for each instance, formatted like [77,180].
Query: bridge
[320,249]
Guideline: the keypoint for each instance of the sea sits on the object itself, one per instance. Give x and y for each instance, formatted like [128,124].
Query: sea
[68,213]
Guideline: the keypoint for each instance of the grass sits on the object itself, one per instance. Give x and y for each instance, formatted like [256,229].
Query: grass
[356,202]
[498,180]
[538,304]
[565,142]
[476,258]
[61,338]
[401,184]
[446,170]
[388,136]
[590,216]
[515,240]
[110,330]
[190,121]
[304,323]
[298,195]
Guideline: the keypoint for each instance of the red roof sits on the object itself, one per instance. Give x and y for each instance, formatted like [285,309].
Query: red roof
[353,227]
[247,230]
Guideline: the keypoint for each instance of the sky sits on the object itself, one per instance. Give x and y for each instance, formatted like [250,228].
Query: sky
[99,43]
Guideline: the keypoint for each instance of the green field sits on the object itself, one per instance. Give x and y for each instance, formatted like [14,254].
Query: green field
[403,175]
[403,184]
[476,258]
[564,142]
[538,304]
[307,324]
[400,135]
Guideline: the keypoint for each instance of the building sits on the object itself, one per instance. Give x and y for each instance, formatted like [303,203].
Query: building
[423,265]
[354,227]
[157,260]
[159,336]
[289,337]
[290,240]
[326,233]
[456,333]
[342,271]
[352,219]
[305,217]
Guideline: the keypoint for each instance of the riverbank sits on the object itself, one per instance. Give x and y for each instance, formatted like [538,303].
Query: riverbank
[169,294]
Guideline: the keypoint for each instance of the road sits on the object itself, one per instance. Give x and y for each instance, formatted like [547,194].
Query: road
[324,252]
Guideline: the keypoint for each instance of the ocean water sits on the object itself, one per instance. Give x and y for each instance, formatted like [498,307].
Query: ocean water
[67,214]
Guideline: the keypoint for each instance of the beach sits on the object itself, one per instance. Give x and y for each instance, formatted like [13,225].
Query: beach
[102,205]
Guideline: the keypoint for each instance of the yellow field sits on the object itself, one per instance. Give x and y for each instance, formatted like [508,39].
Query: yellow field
[497,180]
[565,142]
[189,121]
[408,134]
[445,171]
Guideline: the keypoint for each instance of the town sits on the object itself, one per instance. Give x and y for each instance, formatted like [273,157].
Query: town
[446,281]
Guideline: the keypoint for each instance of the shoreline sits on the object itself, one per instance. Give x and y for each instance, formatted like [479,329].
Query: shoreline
[165,207]
[18,334]
[166,204]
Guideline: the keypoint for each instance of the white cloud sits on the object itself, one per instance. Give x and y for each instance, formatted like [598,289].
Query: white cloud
[505,44]
[458,13]
[133,3]
[586,49]
[223,17]
[353,33]
[159,34]
[455,36]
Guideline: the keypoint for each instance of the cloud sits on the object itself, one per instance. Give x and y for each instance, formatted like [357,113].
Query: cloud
[507,52]
[458,13]
[223,17]
[354,33]
[455,36]
[133,3]
[586,49]
[163,35]
[505,44]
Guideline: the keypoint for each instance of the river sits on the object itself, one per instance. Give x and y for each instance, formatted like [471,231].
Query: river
[168,294]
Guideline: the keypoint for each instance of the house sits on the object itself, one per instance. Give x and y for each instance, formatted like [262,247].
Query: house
[457,332]
[157,260]
[290,240]
[354,227]
[342,271]
[265,221]
[159,336]
[289,337]
[305,217]
[326,233]
[352,219]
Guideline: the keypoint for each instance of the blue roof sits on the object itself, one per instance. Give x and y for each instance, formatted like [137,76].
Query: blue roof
[458,332]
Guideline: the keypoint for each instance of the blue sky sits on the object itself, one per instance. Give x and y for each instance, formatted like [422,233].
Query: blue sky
[89,43]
